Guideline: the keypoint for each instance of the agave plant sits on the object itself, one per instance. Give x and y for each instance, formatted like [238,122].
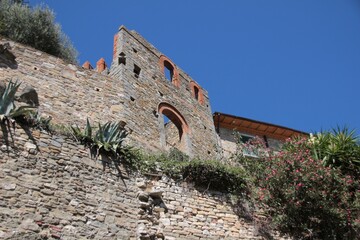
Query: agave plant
[8,110]
[85,137]
[109,137]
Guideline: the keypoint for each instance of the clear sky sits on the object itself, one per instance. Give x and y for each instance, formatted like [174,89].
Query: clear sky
[287,62]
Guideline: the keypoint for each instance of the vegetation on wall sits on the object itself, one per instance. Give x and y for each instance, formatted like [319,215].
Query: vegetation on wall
[302,193]
[35,27]
[8,109]
[107,139]
[205,174]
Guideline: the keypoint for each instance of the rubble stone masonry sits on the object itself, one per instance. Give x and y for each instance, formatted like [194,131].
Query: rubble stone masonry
[51,188]
[134,90]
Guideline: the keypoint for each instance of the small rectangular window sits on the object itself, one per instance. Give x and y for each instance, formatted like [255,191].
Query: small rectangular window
[245,138]
[137,70]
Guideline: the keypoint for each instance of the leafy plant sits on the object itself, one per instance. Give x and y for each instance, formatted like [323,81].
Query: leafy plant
[8,110]
[215,175]
[338,148]
[305,198]
[176,155]
[109,137]
[85,136]
[35,27]
[37,121]
[206,174]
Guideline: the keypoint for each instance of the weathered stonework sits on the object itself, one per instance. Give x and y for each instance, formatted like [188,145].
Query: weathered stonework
[50,187]
[134,89]
[147,91]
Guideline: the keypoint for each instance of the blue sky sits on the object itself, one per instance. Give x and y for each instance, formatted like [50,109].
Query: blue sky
[288,62]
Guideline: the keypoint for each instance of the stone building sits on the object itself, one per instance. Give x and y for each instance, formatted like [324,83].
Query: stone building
[156,91]
[229,127]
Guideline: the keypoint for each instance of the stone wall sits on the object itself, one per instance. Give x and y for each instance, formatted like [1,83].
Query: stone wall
[228,141]
[67,93]
[50,187]
[132,90]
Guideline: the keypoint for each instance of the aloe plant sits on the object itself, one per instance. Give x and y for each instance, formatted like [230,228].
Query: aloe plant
[8,110]
[85,136]
[109,137]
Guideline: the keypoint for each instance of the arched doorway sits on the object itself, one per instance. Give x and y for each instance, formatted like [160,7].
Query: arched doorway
[174,130]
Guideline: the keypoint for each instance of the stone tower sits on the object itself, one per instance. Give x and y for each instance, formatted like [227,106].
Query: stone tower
[162,105]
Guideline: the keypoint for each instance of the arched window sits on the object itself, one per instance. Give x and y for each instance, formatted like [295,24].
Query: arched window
[170,71]
[173,128]
[196,92]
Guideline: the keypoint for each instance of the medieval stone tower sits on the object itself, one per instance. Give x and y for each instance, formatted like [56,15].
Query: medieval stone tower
[161,104]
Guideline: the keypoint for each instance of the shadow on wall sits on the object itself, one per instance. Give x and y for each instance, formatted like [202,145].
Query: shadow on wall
[7,59]
[7,135]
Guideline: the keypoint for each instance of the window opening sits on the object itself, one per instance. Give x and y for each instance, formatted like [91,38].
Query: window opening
[166,120]
[248,150]
[174,130]
[168,71]
[137,70]
[122,58]
[245,138]
[196,93]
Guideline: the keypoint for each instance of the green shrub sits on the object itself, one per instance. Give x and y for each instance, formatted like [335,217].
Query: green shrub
[305,198]
[214,175]
[207,174]
[338,148]
[35,27]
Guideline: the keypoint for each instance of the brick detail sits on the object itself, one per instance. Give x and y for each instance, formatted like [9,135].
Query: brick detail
[175,116]
[116,37]
[163,60]
[101,65]
[200,94]
[87,65]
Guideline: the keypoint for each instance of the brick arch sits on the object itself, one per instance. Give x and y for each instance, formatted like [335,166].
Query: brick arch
[199,96]
[166,62]
[175,116]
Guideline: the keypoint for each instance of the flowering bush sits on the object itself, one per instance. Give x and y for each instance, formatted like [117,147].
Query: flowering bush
[305,198]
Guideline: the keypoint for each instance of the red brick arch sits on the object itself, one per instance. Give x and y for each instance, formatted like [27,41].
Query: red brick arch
[175,116]
[166,62]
